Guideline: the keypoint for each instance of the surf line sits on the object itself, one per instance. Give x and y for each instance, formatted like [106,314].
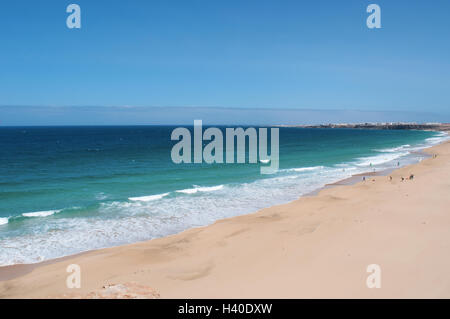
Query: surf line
[213,152]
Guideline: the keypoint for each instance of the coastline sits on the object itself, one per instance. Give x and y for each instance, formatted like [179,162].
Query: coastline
[9,272]
[154,263]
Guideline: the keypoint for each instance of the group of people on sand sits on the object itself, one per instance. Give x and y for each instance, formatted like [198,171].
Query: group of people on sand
[411,177]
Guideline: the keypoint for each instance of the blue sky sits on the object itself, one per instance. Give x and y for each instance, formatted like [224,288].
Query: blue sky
[315,55]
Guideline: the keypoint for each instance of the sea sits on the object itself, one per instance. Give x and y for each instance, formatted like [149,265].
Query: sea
[65,190]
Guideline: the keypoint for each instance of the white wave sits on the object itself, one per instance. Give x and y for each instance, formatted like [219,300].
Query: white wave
[306,169]
[264,161]
[395,149]
[101,196]
[210,189]
[41,213]
[379,159]
[200,189]
[4,220]
[439,138]
[433,140]
[148,198]
[188,191]
[122,222]
[128,221]
[303,169]
[436,140]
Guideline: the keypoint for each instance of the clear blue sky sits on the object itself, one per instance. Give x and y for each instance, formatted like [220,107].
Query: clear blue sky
[227,53]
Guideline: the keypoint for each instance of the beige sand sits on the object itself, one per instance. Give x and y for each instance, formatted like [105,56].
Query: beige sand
[317,246]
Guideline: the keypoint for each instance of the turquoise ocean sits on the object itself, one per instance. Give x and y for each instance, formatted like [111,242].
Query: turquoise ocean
[65,190]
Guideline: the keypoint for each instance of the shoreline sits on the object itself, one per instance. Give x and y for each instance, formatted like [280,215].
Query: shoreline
[9,272]
[16,273]
[33,259]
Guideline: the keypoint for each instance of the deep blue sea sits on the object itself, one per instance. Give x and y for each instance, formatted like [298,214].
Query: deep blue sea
[65,190]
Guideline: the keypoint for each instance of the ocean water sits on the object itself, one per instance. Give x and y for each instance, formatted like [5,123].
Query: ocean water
[65,190]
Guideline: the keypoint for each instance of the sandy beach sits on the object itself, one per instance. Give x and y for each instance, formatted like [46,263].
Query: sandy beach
[318,246]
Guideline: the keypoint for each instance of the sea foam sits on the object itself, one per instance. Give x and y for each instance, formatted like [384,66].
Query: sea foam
[200,189]
[138,218]
[307,169]
[41,213]
[148,198]
[395,149]
[379,159]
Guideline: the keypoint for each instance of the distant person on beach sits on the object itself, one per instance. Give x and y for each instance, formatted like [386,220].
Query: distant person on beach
[364,178]
[398,163]
[411,177]
[390,178]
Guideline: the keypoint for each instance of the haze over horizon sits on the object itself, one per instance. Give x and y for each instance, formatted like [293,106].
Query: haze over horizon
[128,115]
[255,62]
